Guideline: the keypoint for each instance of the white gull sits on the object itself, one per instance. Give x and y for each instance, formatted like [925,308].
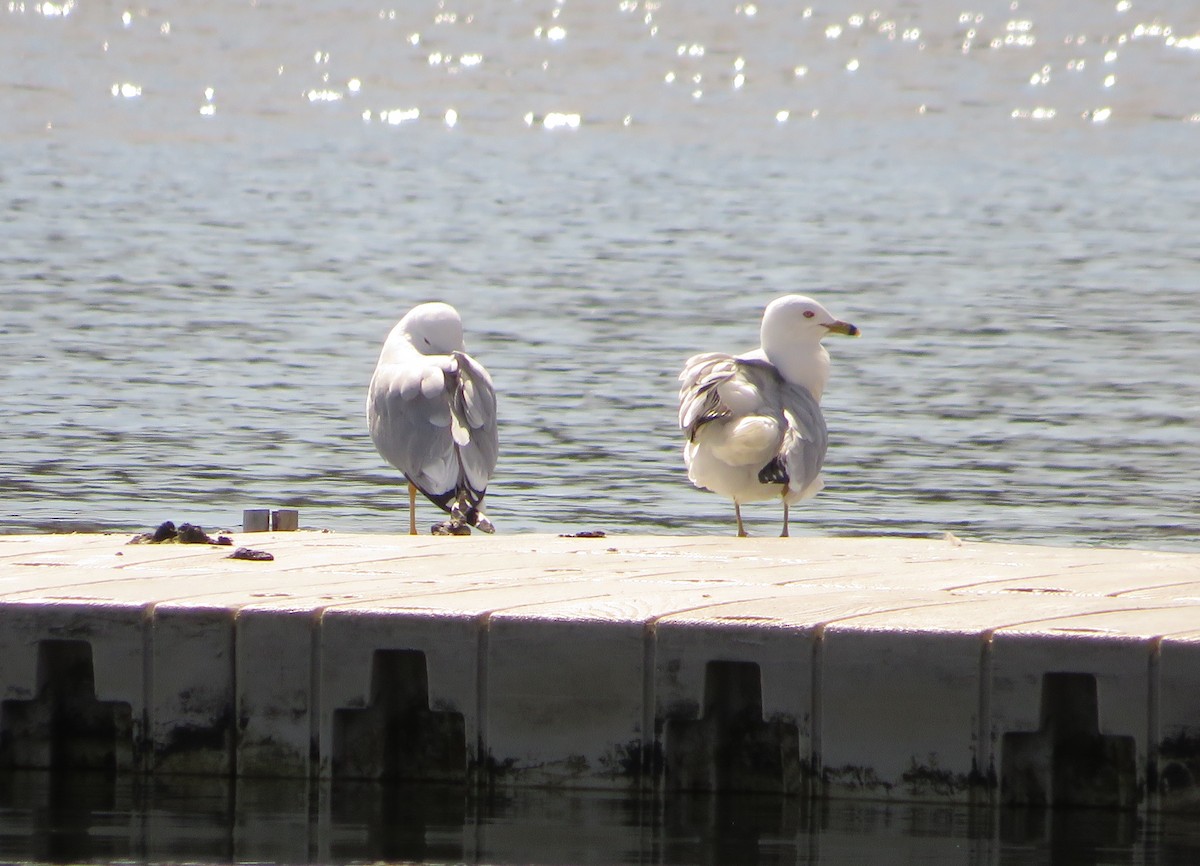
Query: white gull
[754,425]
[432,413]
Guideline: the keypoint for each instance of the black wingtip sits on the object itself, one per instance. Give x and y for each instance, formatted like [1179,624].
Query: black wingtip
[774,472]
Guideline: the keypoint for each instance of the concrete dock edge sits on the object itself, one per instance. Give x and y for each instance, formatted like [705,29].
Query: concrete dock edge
[895,669]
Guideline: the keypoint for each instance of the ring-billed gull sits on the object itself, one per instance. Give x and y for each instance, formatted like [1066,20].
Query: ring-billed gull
[754,425]
[432,412]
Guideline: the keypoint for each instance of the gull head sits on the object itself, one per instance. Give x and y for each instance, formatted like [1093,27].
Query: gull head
[800,319]
[434,328]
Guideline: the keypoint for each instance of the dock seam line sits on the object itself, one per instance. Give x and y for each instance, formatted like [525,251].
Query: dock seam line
[818,701]
[144,757]
[482,747]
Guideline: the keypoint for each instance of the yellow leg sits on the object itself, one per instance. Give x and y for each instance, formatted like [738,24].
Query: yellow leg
[412,508]
[737,510]
[784,534]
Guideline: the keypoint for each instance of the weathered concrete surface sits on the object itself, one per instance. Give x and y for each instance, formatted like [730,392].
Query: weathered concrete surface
[893,668]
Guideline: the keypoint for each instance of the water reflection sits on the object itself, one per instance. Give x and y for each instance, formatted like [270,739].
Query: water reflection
[57,819]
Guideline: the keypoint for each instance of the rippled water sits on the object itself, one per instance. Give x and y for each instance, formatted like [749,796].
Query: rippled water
[44,820]
[212,215]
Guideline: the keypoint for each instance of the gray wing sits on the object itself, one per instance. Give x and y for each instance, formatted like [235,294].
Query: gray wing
[434,419]
[718,386]
[475,431]
[699,398]
[806,441]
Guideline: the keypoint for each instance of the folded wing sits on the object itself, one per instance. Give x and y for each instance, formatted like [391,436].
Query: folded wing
[434,418]
[757,421]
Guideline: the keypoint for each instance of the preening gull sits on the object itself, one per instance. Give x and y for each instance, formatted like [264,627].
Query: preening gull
[432,412]
[754,425]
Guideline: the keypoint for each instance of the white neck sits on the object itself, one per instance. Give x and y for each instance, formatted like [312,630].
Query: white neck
[801,363]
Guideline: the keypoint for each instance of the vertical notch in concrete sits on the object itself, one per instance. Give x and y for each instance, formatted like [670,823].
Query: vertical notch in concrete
[732,748]
[1067,761]
[397,737]
[65,727]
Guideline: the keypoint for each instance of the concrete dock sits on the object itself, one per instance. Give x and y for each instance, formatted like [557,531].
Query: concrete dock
[900,669]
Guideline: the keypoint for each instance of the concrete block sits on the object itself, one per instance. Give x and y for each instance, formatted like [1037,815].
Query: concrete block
[275,671]
[72,686]
[899,714]
[192,704]
[1177,766]
[256,520]
[399,695]
[564,702]
[733,705]
[285,520]
[1069,716]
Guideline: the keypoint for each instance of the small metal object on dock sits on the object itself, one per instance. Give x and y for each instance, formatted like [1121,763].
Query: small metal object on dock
[285,520]
[256,520]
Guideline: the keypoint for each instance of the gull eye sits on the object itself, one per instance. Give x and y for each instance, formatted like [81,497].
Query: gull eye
[808,314]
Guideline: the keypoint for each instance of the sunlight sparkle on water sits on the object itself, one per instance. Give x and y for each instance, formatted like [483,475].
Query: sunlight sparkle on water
[126,90]
[397,116]
[1039,113]
[556,120]
[50,10]
[1151,31]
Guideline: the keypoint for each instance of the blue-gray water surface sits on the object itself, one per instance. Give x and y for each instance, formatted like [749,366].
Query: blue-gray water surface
[212,215]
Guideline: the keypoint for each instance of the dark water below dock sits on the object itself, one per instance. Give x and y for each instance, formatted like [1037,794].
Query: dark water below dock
[48,819]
